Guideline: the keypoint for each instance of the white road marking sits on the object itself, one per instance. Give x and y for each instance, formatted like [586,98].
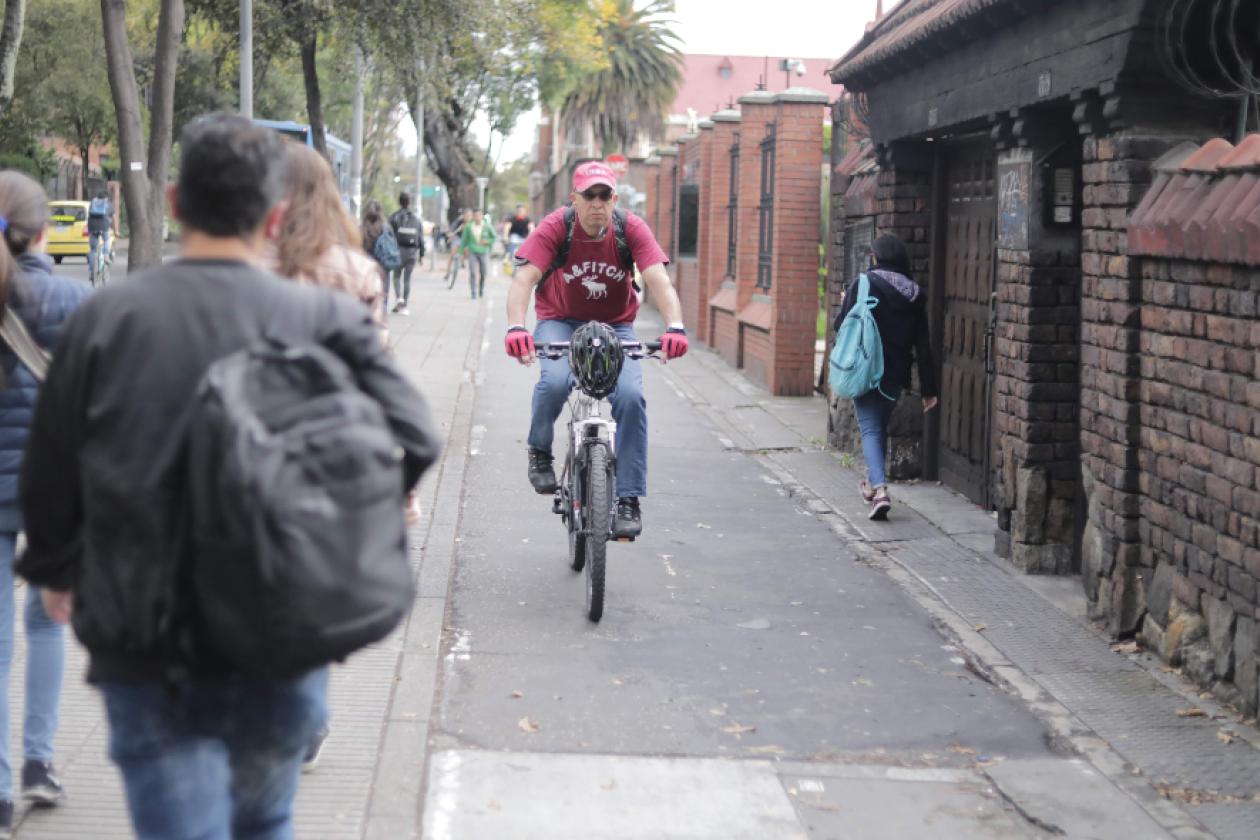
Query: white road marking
[669,570]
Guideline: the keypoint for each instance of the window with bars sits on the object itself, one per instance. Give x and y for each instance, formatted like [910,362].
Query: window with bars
[732,210]
[765,212]
[859,236]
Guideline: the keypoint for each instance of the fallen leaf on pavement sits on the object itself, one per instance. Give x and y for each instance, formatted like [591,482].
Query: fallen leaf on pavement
[980,628]
[738,729]
[516,694]
[1191,712]
[1224,736]
[769,749]
[961,750]
[609,785]
[527,725]
[1125,647]
[493,805]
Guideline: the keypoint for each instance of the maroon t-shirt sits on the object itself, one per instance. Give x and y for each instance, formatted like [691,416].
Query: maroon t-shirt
[592,285]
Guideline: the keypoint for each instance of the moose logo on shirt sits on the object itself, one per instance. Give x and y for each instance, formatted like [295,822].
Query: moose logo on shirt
[593,277]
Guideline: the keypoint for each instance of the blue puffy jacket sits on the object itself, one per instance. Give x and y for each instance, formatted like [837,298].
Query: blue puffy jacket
[43,301]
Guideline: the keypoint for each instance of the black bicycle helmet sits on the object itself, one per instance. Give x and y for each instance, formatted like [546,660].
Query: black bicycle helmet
[595,357]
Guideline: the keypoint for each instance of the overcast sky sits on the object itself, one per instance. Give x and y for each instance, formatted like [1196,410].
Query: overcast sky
[797,28]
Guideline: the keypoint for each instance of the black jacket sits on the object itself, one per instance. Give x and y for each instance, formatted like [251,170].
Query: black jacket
[903,329]
[102,485]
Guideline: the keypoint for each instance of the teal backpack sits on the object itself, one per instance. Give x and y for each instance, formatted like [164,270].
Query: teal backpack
[857,359]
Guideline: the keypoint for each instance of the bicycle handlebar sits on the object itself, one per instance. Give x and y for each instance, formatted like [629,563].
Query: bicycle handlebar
[632,349]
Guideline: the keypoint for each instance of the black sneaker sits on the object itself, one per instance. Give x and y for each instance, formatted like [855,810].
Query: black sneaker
[314,750]
[541,474]
[39,785]
[628,523]
[6,819]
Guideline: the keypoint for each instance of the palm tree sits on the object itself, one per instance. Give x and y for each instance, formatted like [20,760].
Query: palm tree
[638,82]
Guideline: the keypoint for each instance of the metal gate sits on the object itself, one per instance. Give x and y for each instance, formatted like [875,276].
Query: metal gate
[970,258]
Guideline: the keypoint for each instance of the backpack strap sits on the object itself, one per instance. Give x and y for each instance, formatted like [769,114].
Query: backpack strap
[562,253]
[22,343]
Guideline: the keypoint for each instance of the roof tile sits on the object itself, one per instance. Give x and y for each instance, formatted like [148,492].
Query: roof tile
[1206,159]
[1245,156]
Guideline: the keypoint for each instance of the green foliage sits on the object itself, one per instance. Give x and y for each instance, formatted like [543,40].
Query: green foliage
[641,79]
[40,168]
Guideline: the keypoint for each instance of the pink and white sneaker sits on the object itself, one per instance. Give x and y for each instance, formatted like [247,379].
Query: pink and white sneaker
[868,494]
[880,505]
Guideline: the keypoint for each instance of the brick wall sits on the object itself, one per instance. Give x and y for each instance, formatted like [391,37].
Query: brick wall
[652,198]
[1199,455]
[667,198]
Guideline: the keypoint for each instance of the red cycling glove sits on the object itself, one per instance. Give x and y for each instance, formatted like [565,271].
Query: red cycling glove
[518,342]
[674,343]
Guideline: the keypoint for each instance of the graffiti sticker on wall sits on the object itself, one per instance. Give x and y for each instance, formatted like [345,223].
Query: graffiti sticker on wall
[1014,192]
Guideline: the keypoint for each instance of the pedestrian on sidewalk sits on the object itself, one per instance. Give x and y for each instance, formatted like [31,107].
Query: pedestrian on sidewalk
[409,233]
[475,242]
[318,244]
[578,265]
[372,228]
[204,749]
[901,314]
[42,302]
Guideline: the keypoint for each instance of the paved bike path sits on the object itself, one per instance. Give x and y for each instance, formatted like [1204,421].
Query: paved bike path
[743,651]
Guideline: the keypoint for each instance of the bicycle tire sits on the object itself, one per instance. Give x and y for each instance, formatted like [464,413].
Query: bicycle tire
[452,273]
[598,520]
[577,540]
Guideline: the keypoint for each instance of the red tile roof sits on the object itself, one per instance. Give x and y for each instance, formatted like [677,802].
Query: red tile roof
[1204,204]
[910,23]
[706,90]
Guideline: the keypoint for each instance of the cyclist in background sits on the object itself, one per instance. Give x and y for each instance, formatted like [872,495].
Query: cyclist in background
[591,284]
[100,227]
[516,230]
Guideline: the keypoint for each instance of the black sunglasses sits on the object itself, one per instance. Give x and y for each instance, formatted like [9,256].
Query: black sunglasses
[597,195]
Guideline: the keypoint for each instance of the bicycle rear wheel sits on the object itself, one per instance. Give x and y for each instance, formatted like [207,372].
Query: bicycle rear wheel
[452,272]
[598,520]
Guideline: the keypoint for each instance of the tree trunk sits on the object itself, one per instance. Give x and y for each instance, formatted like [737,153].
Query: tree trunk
[162,116]
[452,161]
[310,75]
[126,96]
[83,160]
[10,40]
[143,193]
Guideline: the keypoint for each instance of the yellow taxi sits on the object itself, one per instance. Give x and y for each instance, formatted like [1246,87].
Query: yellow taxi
[67,229]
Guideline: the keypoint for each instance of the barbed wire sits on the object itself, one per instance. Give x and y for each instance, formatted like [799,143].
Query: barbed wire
[1216,29]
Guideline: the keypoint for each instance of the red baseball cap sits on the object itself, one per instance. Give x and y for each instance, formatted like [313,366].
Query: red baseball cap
[591,173]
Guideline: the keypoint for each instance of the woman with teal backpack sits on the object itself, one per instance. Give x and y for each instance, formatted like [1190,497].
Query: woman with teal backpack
[898,306]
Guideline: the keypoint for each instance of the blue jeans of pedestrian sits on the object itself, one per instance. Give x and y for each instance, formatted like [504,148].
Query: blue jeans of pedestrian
[873,411]
[629,408]
[217,760]
[45,664]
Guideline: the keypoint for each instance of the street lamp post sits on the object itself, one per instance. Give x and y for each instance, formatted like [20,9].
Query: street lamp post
[247,59]
[482,183]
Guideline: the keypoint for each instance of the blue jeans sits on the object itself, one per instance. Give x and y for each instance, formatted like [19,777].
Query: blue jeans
[873,413]
[629,408]
[45,663]
[219,760]
[478,264]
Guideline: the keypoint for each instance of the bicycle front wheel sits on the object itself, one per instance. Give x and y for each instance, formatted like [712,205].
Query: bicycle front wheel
[452,273]
[598,520]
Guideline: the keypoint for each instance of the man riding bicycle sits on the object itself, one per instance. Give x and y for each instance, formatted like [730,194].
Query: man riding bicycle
[100,225]
[575,262]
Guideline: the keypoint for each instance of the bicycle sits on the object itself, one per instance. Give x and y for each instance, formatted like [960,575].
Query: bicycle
[99,262]
[452,270]
[585,497]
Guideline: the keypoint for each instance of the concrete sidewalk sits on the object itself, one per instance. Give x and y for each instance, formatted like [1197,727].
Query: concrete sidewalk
[1197,775]
[368,780]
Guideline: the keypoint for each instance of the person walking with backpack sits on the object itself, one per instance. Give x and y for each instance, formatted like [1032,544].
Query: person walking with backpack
[35,305]
[160,473]
[409,233]
[578,265]
[475,242]
[900,313]
[379,243]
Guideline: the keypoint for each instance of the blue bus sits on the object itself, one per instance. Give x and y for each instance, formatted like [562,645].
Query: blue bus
[338,150]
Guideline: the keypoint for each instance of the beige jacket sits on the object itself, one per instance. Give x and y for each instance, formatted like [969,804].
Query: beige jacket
[345,269]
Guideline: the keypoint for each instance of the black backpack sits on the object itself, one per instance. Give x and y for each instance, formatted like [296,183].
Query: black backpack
[407,230]
[619,235]
[298,550]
